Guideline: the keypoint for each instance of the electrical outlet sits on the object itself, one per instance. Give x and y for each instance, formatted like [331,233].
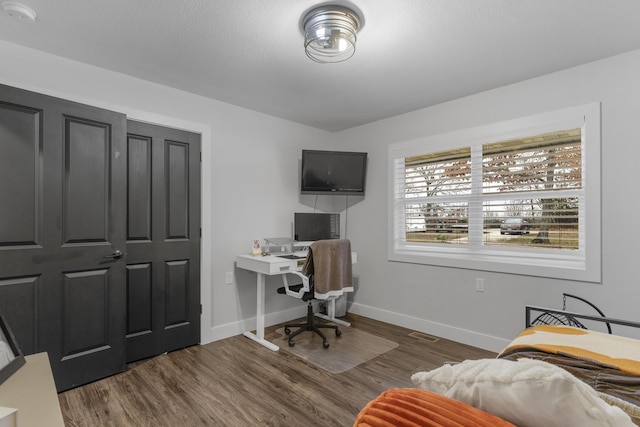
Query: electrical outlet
[479,284]
[228,278]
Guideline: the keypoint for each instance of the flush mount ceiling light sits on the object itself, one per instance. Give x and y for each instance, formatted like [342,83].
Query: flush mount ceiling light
[330,33]
[19,11]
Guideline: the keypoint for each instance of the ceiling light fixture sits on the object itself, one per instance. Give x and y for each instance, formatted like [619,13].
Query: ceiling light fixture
[330,33]
[19,11]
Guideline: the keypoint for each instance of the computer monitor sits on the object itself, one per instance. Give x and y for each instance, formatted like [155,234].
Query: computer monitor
[309,227]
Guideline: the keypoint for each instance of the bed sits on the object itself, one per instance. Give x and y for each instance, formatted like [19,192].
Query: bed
[556,372]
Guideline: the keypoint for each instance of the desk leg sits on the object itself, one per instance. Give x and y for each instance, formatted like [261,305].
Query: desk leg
[259,335]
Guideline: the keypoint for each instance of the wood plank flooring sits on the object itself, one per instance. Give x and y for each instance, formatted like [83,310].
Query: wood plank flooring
[236,382]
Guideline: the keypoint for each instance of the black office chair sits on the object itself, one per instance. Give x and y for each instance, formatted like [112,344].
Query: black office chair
[305,292]
[328,265]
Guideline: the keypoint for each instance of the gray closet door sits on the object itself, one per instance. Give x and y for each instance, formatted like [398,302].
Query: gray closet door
[62,225]
[163,240]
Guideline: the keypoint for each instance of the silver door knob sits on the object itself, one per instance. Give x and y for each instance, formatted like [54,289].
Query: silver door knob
[117,254]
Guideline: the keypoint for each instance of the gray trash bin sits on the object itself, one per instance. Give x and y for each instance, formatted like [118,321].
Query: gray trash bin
[341,306]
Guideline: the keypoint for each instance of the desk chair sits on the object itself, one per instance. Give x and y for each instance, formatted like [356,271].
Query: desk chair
[326,274]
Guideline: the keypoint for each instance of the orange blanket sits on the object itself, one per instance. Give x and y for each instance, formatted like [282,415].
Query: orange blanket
[413,407]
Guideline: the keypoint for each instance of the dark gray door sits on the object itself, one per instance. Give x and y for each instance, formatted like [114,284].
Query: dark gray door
[62,217]
[163,240]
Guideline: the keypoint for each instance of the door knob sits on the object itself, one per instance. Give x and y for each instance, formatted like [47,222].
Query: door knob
[117,254]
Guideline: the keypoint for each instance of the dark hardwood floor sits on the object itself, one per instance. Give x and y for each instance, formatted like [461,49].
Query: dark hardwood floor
[236,382]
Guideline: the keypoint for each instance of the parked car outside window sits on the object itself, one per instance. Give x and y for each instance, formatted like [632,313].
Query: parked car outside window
[515,226]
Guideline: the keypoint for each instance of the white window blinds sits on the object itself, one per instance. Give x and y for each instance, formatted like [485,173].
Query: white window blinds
[519,197]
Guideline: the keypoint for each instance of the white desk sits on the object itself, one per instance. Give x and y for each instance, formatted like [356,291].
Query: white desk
[271,266]
[265,266]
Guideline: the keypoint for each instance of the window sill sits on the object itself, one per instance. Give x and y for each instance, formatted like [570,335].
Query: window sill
[545,264]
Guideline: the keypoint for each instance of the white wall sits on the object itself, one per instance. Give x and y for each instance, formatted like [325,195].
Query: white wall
[250,189]
[443,301]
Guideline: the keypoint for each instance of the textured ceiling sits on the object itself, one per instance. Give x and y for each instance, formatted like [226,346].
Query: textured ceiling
[410,53]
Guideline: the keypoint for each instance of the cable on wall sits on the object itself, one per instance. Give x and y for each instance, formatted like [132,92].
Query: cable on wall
[346,215]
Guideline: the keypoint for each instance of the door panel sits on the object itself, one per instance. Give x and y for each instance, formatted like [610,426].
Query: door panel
[69,165]
[21,292]
[177,293]
[177,190]
[86,181]
[84,299]
[139,188]
[163,243]
[139,293]
[20,175]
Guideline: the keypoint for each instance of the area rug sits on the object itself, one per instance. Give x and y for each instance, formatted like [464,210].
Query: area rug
[349,350]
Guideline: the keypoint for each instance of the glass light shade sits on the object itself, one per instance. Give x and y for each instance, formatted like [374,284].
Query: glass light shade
[330,34]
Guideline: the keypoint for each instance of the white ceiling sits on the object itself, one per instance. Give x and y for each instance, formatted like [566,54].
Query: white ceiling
[410,53]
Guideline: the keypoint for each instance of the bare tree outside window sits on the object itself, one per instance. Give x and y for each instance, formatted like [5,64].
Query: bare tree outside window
[544,167]
[528,178]
[430,180]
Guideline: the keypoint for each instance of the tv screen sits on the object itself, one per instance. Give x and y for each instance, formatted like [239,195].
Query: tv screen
[333,172]
[309,227]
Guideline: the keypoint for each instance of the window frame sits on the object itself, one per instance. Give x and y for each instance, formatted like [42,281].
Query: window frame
[582,265]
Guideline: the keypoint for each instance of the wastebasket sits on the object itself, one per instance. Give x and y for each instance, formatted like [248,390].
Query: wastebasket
[341,306]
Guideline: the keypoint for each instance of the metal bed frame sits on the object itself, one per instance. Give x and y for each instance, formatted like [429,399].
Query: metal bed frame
[563,317]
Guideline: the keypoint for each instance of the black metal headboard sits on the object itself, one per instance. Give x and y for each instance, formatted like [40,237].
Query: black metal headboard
[529,309]
[555,317]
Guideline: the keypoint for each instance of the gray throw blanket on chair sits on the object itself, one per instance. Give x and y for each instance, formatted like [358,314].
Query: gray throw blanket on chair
[330,263]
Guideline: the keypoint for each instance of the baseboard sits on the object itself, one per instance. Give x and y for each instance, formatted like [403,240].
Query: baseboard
[464,336]
[237,328]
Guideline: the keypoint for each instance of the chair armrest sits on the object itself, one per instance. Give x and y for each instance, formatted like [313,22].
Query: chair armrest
[300,292]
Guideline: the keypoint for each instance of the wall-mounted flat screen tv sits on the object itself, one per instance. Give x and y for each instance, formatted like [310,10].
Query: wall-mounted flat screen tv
[309,227]
[333,172]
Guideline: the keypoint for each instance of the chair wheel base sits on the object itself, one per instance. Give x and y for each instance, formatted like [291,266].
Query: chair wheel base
[309,325]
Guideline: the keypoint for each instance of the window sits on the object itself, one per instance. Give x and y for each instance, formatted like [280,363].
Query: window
[511,197]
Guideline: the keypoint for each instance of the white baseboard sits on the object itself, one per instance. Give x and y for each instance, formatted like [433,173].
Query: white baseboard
[237,328]
[464,336]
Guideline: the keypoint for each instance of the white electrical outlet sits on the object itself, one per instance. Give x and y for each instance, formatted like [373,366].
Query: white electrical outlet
[228,278]
[479,284]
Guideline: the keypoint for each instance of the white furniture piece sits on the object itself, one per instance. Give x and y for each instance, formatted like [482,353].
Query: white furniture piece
[32,391]
[272,265]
